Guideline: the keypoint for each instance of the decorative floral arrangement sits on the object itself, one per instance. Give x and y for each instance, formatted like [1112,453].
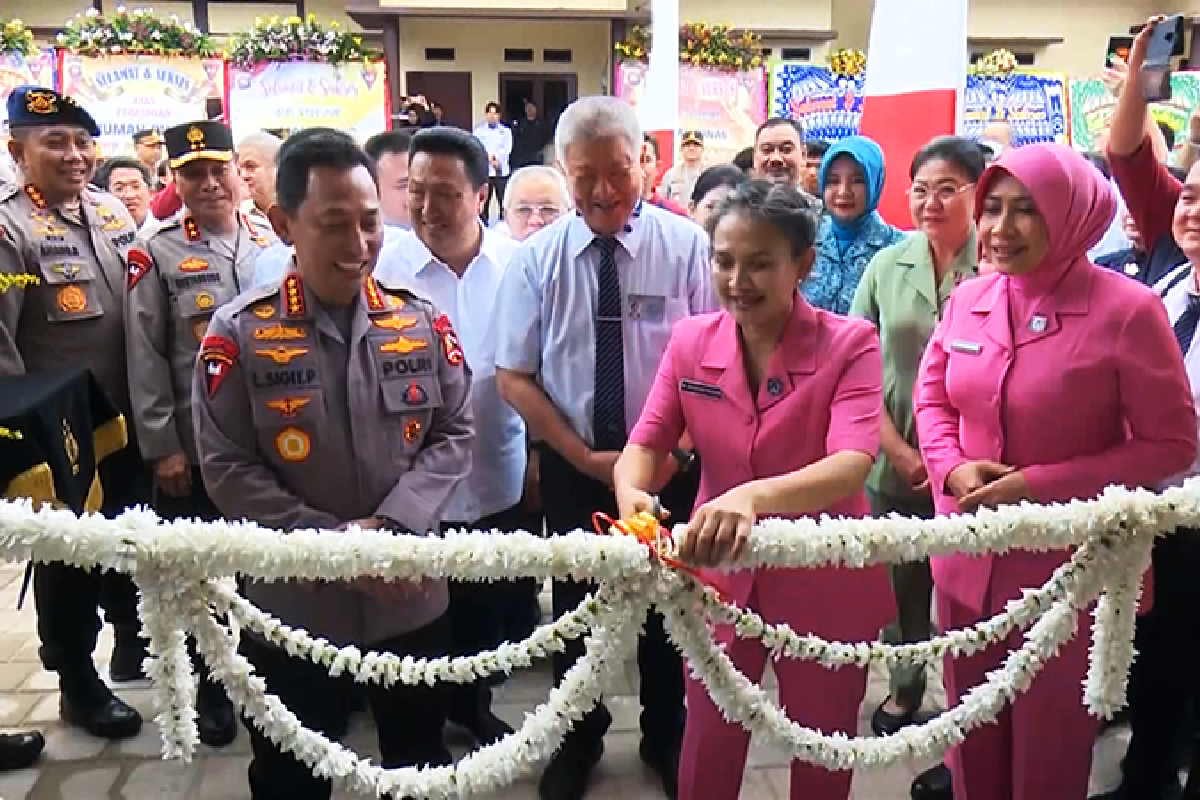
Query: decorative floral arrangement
[700,45]
[173,564]
[847,62]
[16,38]
[296,39]
[997,62]
[134,32]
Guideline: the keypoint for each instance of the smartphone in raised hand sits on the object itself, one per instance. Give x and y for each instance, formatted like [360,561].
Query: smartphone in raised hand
[1165,36]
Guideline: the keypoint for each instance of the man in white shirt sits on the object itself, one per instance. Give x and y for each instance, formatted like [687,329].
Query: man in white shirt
[451,259]
[498,142]
[389,150]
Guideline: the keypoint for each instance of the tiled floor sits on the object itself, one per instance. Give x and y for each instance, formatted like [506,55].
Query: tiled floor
[78,767]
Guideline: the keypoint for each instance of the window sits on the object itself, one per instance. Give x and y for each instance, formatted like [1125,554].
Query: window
[439,53]
[556,56]
[766,52]
[519,55]
[795,53]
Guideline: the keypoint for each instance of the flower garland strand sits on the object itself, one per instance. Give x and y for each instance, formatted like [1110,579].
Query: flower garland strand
[295,39]
[16,39]
[134,32]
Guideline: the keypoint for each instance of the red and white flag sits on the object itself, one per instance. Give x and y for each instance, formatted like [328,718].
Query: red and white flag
[658,109]
[916,73]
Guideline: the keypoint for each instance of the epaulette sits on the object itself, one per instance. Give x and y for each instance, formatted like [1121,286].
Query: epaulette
[174,222]
[405,293]
[253,298]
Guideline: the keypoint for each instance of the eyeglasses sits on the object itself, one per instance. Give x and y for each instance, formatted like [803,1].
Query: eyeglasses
[545,212]
[944,194]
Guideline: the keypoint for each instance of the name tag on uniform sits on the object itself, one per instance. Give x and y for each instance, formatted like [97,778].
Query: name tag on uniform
[647,307]
[702,389]
[970,348]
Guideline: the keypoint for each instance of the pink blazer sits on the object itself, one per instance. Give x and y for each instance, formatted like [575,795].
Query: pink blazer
[821,394]
[1092,393]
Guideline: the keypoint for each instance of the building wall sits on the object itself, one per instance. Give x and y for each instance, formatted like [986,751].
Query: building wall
[479,49]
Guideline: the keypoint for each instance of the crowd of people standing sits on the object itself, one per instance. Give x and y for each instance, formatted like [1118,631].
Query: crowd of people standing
[314,333]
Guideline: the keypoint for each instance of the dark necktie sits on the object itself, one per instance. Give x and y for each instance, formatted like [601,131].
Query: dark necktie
[608,411]
[1185,326]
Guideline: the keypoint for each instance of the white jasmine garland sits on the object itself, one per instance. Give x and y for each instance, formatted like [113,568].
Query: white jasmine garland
[177,566]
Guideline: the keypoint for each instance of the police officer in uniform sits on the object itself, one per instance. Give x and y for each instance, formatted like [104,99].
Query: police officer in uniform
[63,248]
[199,260]
[327,400]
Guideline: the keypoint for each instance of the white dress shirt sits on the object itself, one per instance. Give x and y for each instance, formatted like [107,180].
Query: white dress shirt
[549,301]
[1174,288]
[497,140]
[498,464]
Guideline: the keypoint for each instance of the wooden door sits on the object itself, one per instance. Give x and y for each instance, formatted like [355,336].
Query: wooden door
[452,90]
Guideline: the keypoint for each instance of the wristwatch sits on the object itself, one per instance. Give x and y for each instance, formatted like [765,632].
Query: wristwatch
[683,458]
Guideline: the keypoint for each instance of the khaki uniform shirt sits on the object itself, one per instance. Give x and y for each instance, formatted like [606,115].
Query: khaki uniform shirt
[897,294]
[298,426]
[62,281]
[178,276]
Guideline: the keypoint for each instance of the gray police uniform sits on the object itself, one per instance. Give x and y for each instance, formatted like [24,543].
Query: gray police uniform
[178,276]
[311,417]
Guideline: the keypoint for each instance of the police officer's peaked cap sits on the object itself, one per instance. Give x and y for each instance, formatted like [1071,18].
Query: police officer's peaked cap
[37,107]
[207,139]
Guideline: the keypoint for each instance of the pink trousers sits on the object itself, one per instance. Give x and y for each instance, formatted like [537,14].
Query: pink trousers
[1041,746]
[849,605]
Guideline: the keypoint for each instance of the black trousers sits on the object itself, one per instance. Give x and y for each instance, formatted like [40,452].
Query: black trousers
[1163,691]
[409,719]
[570,498]
[478,613]
[496,186]
[68,598]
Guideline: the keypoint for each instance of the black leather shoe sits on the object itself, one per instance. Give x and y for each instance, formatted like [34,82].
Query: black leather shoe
[664,760]
[130,650]
[103,715]
[885,723]
[485,727]
[217,723]
[20,750]
[933,784]
[566,776]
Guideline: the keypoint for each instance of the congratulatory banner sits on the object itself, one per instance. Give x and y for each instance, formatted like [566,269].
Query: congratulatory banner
[300,94]
[126,94]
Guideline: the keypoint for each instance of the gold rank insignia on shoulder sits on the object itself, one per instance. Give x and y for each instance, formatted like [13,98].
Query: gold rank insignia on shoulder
[403,345]
[35,197]
[278,333]
[191,230]
[293,295]
[40,101]
[395,323]
[374,296]
[281,354]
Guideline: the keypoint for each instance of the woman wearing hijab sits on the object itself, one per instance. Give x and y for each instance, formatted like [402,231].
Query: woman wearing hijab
[1038,344]
[782,401]
[851,232]
[902,294]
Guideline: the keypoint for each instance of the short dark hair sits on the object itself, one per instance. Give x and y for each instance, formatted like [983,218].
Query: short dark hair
[445,140]
[104,171]
[715,178]
[816,148]
[782,207]
[137,137]
[744,160]
[394,142]
[1168,134]
[777,122]
[963,154]
[492,106]
[309,148]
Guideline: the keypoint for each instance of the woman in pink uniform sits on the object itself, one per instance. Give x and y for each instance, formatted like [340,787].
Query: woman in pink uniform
[782,401]
[1047,379]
